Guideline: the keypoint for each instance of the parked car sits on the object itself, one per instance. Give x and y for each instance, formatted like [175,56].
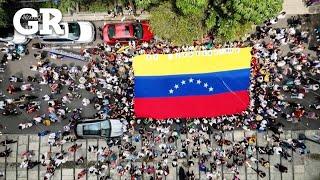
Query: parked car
[125,32]
[10,35]
[74,33]
[97,128]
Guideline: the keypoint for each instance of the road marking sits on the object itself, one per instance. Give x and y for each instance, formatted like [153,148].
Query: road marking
[68,47]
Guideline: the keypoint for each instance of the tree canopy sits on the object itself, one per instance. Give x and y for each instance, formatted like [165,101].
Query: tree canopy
[182,21]
[227,19]
[4,18]
[167,24]
[191,7]
[145,4]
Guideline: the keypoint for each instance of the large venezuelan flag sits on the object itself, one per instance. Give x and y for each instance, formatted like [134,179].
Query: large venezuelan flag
[192,84]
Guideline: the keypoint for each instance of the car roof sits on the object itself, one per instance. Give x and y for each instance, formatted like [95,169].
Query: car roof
[94,120]
[124,30]
[90,120]
[85,122]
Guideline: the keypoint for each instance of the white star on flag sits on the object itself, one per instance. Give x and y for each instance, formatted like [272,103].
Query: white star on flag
[198,81]
[171,91]
[176,86]
[183,82]
[190,80]
[205,85]
[210,89]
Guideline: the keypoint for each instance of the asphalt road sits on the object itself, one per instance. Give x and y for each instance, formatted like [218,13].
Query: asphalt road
[21,69]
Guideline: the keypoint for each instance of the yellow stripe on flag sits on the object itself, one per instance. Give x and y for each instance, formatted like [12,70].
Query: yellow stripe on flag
[195,62]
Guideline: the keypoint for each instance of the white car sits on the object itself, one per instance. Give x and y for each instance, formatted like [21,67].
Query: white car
[74,33]
[10,35]
[97,128]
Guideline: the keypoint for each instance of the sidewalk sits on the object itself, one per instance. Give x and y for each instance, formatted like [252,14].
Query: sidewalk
[102,17]
[295,7]
[292,7]
[301,168]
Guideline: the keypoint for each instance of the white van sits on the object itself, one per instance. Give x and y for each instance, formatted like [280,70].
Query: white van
[74,33]
[99,128]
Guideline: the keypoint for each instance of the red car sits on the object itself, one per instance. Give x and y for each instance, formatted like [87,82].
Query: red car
[125,32]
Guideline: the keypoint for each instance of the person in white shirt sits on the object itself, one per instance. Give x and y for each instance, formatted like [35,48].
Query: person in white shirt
[39,119]
[24,164]
[25,125]
[85,102]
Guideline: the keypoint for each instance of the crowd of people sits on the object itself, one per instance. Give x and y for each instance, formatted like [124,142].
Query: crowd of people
[280,83]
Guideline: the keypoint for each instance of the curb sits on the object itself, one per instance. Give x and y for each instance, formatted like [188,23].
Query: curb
[102,17]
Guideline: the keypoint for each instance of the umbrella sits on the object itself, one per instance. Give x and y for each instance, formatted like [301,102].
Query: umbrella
[123,48]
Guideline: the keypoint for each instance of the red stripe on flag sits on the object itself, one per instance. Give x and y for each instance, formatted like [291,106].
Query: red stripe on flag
[192,106]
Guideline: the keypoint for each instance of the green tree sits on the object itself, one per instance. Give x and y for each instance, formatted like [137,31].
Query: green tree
[66,5]
[48,4]
[178,29]
[230,30]
[192,7]
[98,6]
[145,4]
[256,11]
[232,19]
[188,19]
[3,17]
[211,19]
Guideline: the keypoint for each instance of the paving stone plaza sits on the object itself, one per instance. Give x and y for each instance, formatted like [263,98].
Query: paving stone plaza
[300,168]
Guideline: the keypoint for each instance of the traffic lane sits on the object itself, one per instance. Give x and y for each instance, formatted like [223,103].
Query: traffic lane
[21,69]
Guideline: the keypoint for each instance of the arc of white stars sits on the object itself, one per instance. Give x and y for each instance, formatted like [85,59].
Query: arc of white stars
[191,80]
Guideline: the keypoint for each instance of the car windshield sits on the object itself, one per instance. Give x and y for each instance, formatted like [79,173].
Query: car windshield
[138,32]
[111,31]
[105,128]
[97,128]
[92,129]
[74,31]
